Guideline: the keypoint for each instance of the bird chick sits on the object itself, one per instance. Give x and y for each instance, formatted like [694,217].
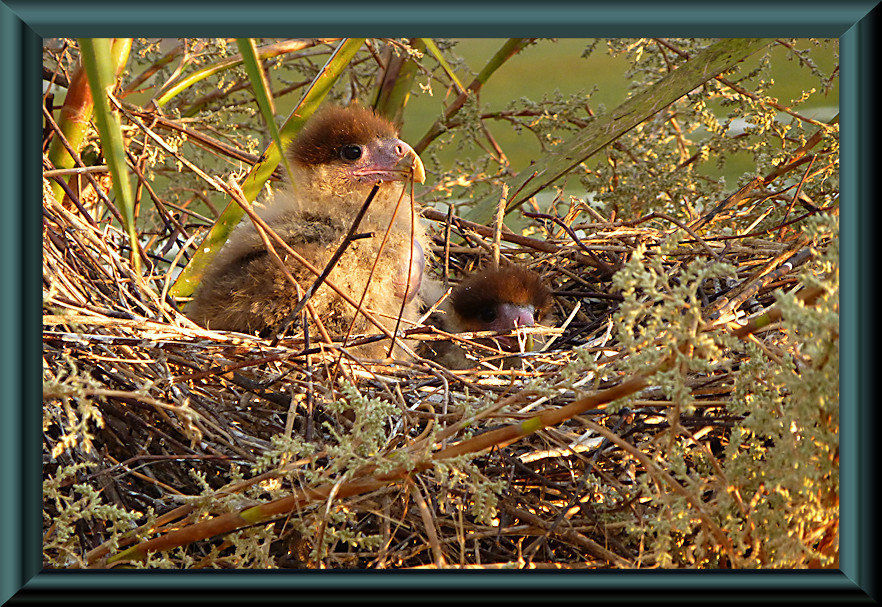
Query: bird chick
[494,299]
[336,159]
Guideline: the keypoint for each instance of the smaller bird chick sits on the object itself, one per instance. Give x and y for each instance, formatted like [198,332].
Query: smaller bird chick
[494,299]
[336,160]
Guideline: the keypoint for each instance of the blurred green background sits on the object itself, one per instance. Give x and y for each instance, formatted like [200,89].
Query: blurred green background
[557,64]
[541,70]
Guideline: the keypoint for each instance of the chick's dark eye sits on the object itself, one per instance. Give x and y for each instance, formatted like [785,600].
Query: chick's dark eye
[488,315]
[350,152]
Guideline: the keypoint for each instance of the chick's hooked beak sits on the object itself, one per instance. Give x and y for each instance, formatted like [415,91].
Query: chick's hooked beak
[419,171]
[393,160]
[510,317]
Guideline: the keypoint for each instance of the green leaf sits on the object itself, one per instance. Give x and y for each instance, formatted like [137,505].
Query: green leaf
[262,92]
[394,88]
[76,113]
[191,275]
[436,52]
[712,61]
[100,69]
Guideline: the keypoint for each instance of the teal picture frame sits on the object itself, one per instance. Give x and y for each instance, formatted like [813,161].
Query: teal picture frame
[23,23]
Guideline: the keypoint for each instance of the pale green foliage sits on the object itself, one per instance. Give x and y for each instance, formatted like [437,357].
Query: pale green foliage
[661,312]
[341,527]
[175,559]
[74,504]
[362,445]
[76,413]
[369,430]
[777,496]
[462,473]
[252,549]
[365,444]
[669,162]
[791,472]
[283,448]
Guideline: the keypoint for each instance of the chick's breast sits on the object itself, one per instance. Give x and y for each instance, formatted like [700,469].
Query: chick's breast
[245,290]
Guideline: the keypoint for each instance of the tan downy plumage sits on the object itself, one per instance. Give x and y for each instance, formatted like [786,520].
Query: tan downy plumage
[337,158]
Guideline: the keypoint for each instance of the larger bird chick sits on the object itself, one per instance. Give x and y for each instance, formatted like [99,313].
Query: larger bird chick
[336,159]
[498,299]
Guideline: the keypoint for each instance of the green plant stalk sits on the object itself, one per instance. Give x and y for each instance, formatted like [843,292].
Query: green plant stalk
[707,64]
[291,46]
[190,277]
[99,65]
[511,47]
[272,50]
[393,90]
[262,93]
[258,78]
[436,52]
[76,112]
[155,67]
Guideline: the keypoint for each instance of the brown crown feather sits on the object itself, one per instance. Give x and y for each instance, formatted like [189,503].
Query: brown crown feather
[509,284]
[327,131]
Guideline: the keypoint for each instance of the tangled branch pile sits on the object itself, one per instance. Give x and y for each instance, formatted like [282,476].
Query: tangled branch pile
[649,431]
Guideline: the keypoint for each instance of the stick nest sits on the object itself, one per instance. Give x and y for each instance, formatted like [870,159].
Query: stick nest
[172,423]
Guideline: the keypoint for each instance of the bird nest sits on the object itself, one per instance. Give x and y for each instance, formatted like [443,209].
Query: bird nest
[642,433]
